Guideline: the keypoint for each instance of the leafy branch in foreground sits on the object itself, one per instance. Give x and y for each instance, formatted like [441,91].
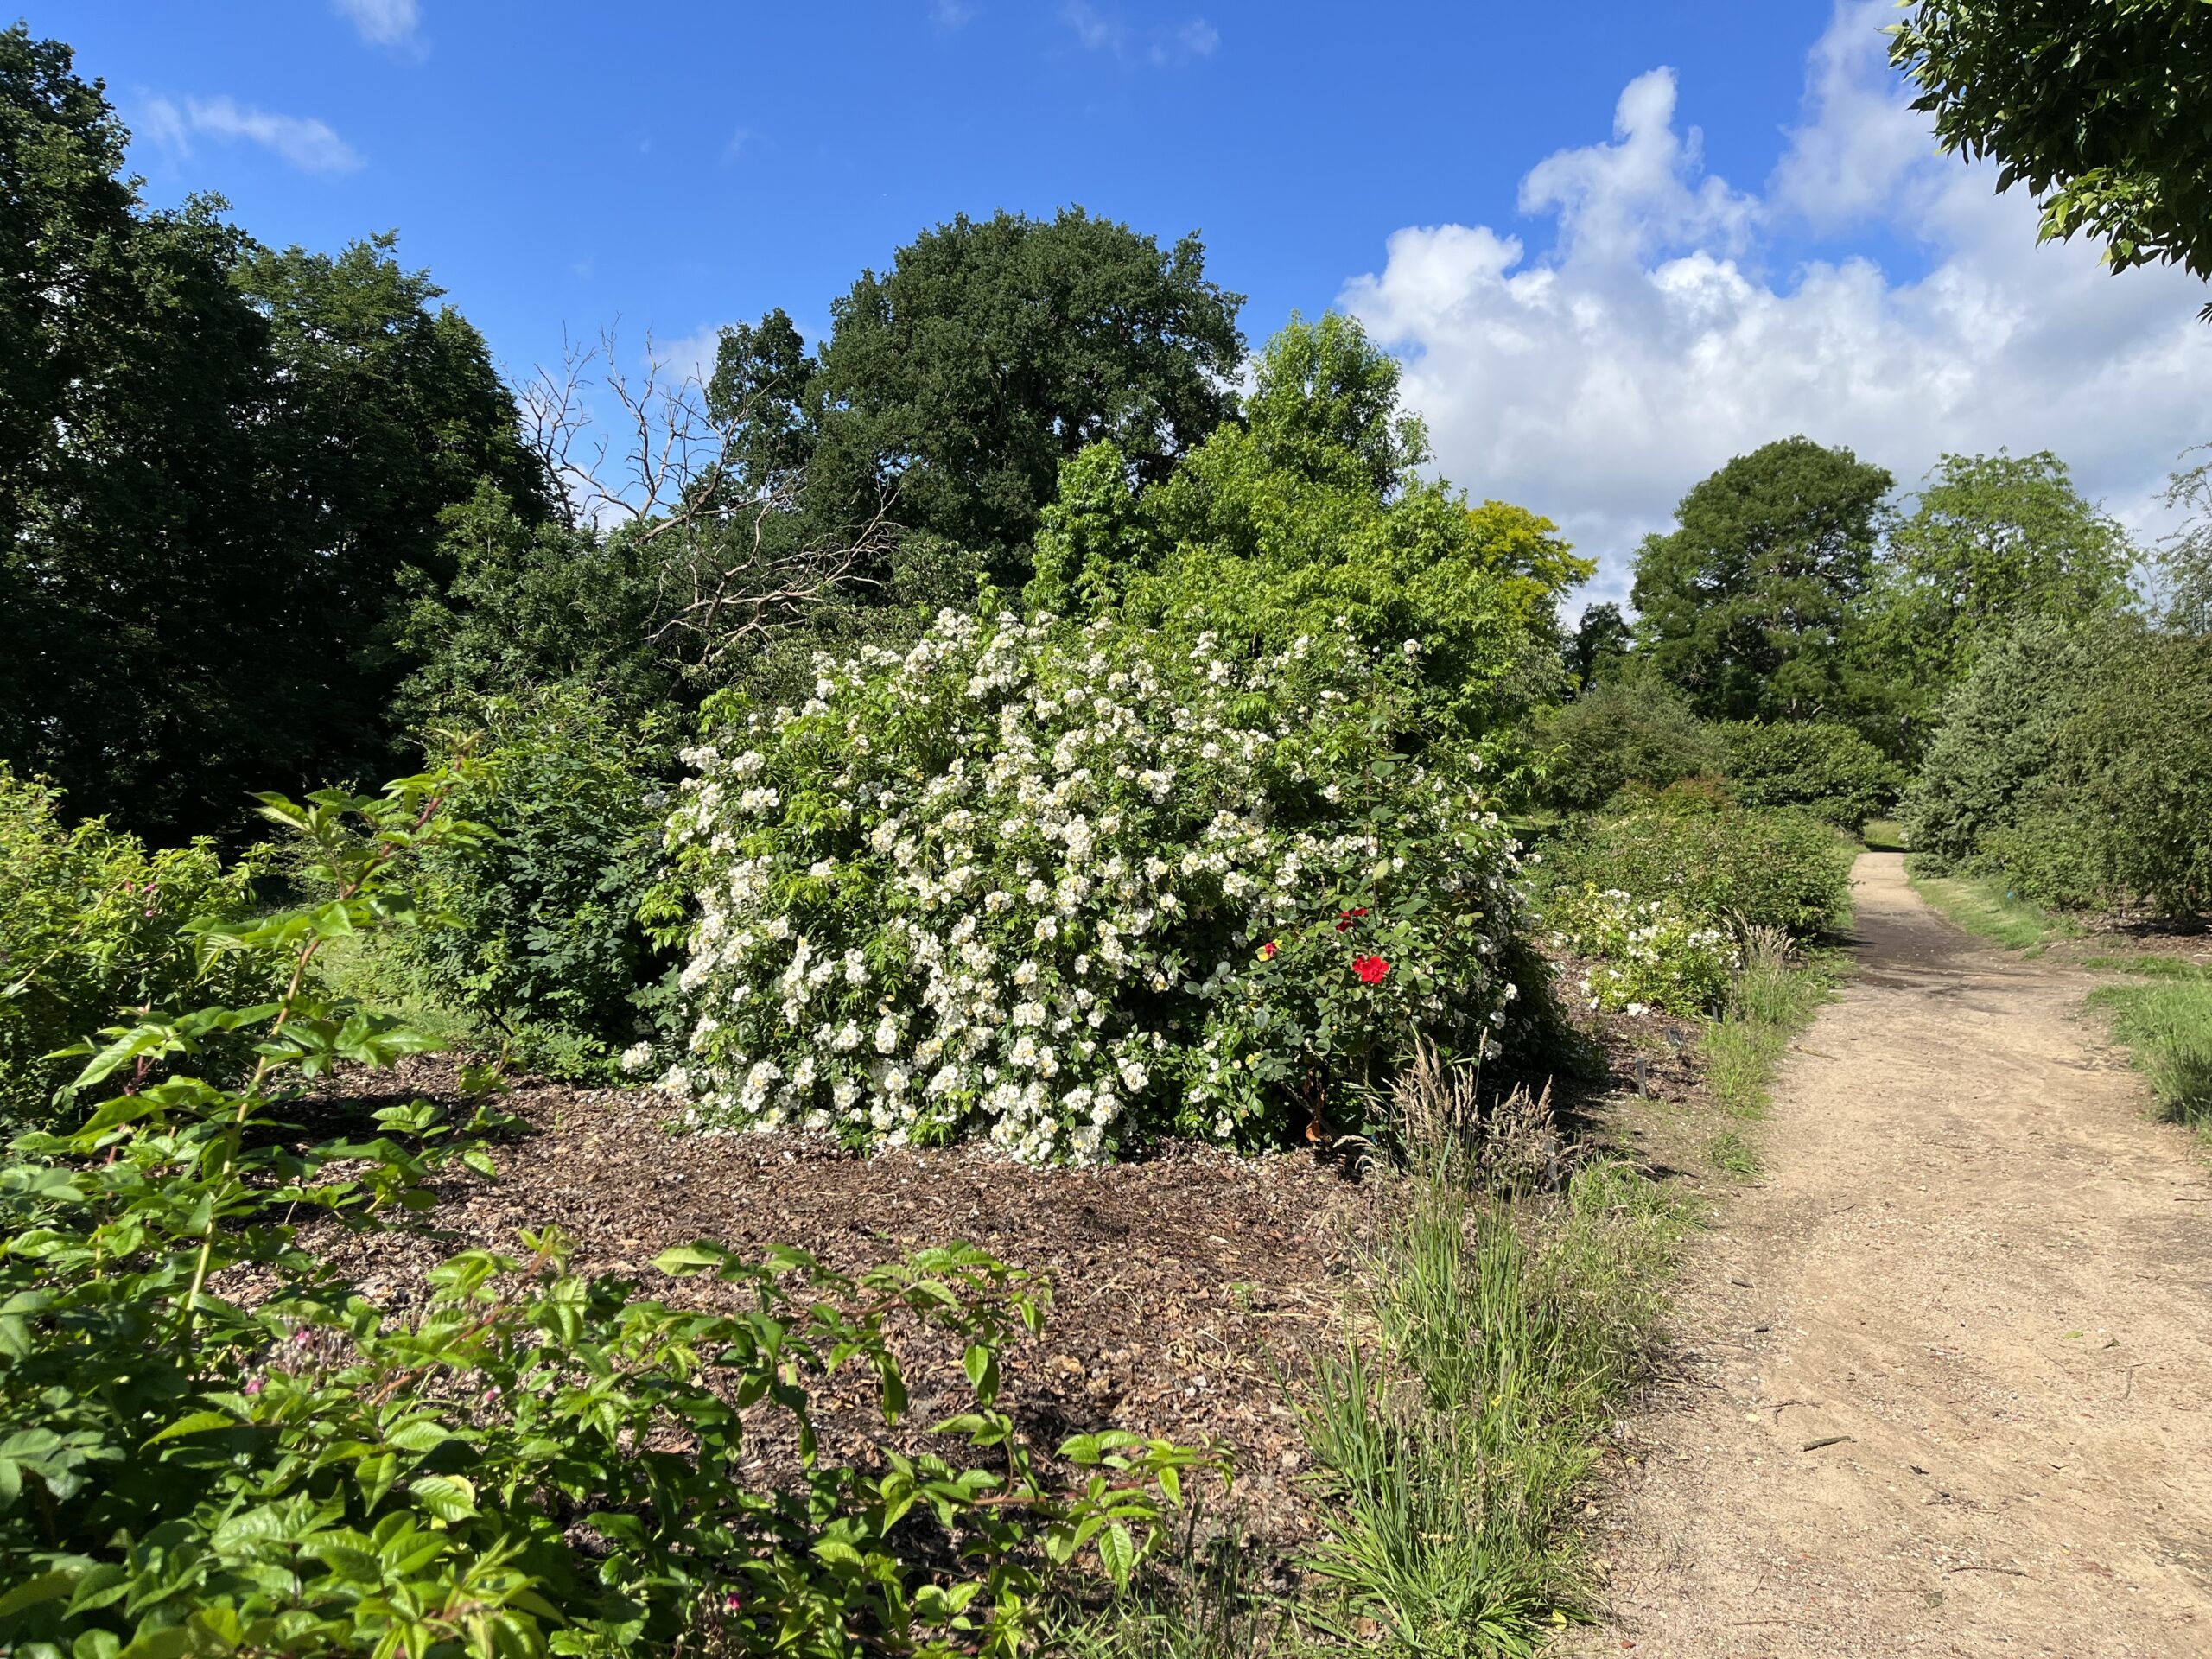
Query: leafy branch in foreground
[215,1444]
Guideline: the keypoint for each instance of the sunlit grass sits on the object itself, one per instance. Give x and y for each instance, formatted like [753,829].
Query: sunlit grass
[1981,906]
[2167,1029]
[1457,1428]
[1883,836]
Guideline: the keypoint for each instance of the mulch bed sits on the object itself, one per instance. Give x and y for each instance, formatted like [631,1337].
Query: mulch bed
[1187,1289]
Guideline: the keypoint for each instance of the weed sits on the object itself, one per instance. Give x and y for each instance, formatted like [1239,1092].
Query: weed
[2167,1028]
[1771,1001]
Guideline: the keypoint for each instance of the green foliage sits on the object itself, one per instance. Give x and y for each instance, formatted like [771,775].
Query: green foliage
[1453,1441]
[1993,541]
[217,464]
[2184,561]
[1077,887]
[1091,538]
[1737,867]
[1598,651]
[1618,733]
[1774,997]
[1743,603]
[1313,523]
[1644,953]
[2097,109]
[90,925]
[530,605]
[1825,768]
[2167,1029]
[989,353]
[1995,745]
[532,1462]
[2124,816]
[2078,762]
[540,939]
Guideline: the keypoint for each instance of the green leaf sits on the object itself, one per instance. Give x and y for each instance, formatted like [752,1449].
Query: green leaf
[198,1423]
[448,1497]
[1117,1553]
[47,1586]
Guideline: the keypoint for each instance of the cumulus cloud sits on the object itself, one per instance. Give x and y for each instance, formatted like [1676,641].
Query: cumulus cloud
[1598,379]
[381,22]
[305,143]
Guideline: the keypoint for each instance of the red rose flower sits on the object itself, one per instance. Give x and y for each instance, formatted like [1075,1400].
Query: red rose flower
[1346,918]
[1372,970]
[1268,950]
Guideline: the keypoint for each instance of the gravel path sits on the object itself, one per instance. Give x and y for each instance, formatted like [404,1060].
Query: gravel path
[1942,1382]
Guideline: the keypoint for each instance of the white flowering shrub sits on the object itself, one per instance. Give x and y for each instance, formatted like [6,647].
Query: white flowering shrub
[1070,888]
[1647,954]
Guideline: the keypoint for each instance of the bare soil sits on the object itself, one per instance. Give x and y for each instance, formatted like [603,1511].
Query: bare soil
[1941,1382]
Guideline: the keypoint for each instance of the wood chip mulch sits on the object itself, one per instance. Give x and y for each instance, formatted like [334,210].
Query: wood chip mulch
[1188,1290]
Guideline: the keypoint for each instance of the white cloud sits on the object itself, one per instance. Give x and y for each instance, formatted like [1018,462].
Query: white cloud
[1195,39]
[1094,31]
[305,143]
[381,22]
[950,14]
[1597,381]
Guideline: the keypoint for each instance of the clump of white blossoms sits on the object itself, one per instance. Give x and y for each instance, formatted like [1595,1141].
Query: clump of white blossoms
[1644,954]
[1069,887]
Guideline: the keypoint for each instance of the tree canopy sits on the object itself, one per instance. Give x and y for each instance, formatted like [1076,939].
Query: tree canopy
[1743,603]
[1991,541]
[954,384]
[2099,109]
[216,464]
[1314,520]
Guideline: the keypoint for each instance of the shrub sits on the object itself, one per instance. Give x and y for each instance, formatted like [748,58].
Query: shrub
[2125,815]
[541,937]
[1645,954]
[1620,732]
[531,1462]
[1716,864]
[1987,761]
[1824,768]
[91,922]
[1076,887]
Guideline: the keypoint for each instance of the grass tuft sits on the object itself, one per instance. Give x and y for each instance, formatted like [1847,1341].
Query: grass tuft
[1772,1000]
[1457,1425]
[1729,1151]
[2167,1029]
[1981,906]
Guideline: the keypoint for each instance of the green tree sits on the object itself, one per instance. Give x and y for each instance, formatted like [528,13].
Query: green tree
[1314,521]
[2184,558]
[2099,109]
[1743,603]
[217,465]
[1598,650]
[957,383]
[1991,541]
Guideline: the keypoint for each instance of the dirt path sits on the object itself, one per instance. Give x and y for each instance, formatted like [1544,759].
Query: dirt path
[1979,1272]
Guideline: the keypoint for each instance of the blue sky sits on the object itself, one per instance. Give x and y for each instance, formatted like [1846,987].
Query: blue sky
[1604,279]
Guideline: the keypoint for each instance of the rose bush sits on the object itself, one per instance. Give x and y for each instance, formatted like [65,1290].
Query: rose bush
[1073,887]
